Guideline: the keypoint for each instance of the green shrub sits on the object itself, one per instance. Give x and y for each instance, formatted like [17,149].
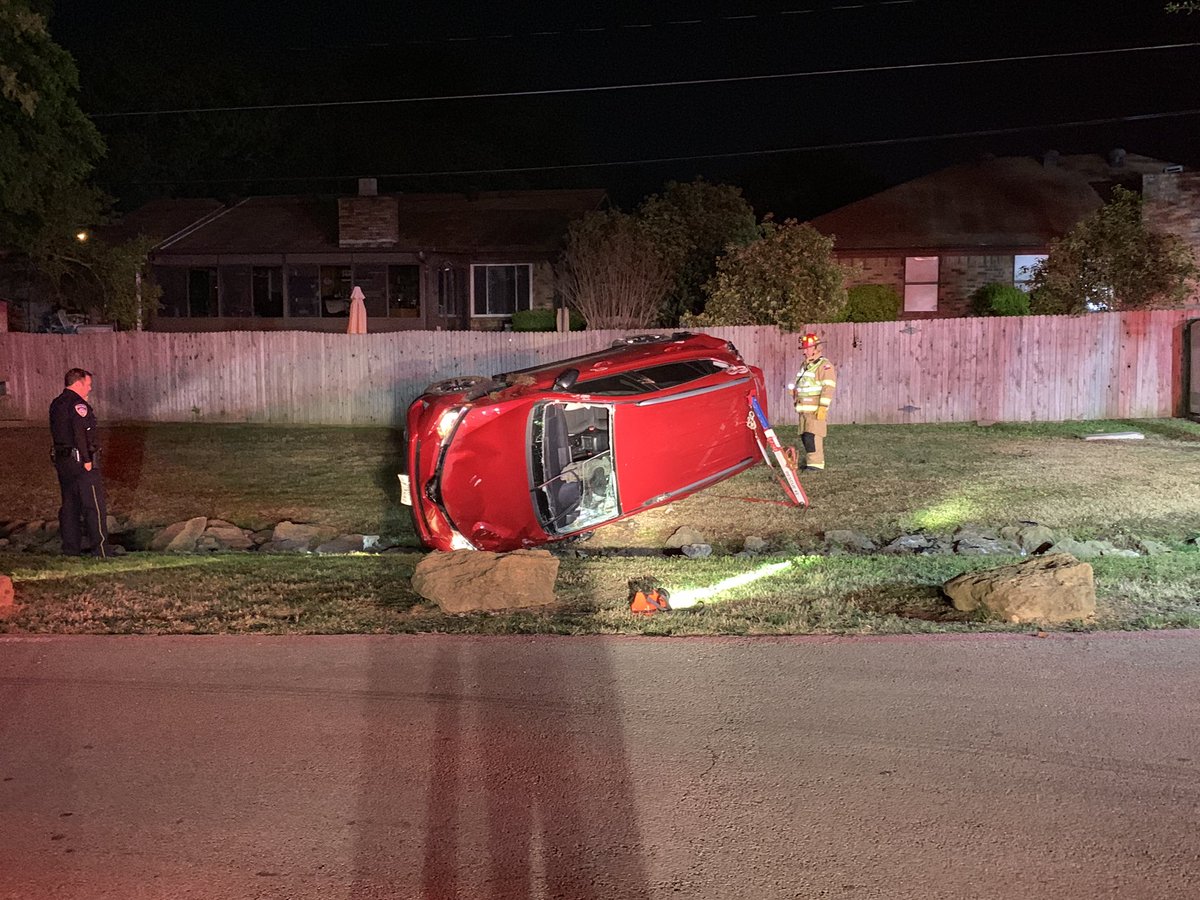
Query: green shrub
[872,303]
[1000,300]
[542,320]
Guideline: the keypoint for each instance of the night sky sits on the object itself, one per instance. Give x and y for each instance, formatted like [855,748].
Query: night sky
[137,58]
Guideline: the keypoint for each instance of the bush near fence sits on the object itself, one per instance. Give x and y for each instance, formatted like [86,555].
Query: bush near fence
[1007,369]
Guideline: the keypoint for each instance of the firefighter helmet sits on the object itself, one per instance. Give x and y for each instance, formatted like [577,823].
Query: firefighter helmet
[809,340]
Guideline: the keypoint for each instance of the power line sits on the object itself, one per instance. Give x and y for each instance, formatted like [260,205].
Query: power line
[574,30]
[656,84]
[843,145]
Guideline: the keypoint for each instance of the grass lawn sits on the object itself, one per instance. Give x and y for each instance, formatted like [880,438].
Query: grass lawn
[882,480]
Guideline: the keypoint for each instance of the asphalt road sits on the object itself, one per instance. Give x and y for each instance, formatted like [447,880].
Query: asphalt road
[443,767]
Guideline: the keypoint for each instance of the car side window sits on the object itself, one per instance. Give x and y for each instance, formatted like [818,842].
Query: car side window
[652,378]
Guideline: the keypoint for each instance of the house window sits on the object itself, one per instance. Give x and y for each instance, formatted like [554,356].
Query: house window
[920,283]
[500,290]
[372,278]
[237,296]
[267,291]
[1023,267]
[404,291]
[201,293]
[174,300]
[304,298]
[335,290]
[451,290]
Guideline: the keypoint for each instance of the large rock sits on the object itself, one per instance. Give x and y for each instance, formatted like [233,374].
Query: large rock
[296,533]
[684,534]
[345,543]
[853,541]
[179,537]
[1030,538]
[228,537]
[477,580]
[1056,588]
[7,595]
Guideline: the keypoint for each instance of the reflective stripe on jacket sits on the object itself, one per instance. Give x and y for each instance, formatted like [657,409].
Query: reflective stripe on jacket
[814,385]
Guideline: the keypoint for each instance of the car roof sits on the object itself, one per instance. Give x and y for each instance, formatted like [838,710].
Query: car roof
[625,357]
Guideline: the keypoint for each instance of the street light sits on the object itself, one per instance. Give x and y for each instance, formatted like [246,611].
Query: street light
[81,236]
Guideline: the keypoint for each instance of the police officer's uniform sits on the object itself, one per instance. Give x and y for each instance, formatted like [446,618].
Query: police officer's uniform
[82,518]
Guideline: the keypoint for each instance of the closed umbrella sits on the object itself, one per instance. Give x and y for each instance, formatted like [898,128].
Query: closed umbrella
[358,313]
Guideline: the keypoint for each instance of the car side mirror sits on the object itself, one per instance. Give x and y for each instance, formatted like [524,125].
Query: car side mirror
[566,379]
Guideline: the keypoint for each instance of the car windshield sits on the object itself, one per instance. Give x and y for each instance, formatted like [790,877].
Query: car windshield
[575,484]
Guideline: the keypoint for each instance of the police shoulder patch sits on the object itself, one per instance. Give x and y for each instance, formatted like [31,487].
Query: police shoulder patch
[81,408]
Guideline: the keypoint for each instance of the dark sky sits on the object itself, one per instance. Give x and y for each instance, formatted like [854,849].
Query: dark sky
[136,57]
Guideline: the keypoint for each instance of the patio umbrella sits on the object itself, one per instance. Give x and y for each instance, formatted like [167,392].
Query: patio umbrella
[358,313]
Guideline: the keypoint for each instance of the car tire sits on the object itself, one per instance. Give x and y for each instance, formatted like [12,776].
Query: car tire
[456,385]
[637,339]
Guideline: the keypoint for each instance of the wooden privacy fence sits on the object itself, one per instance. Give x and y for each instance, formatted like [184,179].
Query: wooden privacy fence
[1040,368]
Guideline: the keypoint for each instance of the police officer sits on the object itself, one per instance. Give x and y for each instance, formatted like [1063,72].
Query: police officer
[82,518]
[812,393]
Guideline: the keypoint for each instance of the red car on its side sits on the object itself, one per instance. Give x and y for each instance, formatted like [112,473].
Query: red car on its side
[539,455]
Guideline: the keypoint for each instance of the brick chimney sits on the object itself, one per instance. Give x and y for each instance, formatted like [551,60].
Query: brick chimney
[368,220]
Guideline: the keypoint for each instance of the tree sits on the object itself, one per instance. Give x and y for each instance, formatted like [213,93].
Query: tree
[48,147]
[612,271]
[694,224]
[1112,261]
[787,278]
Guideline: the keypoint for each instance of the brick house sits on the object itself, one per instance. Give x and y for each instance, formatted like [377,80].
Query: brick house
[939,238]
[423,261]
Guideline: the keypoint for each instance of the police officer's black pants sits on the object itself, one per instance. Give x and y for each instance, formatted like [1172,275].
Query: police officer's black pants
[83,517]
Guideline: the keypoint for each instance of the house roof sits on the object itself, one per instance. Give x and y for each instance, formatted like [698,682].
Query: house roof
[517,221]
[1009,203]
[159,219]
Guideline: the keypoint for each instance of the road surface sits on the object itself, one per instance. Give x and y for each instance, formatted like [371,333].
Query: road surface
[439,767]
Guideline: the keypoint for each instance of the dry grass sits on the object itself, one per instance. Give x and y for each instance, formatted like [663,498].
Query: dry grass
[244,594]
[881,480]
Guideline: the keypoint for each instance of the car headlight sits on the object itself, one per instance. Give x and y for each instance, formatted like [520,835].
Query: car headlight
[448,420]
[458,542]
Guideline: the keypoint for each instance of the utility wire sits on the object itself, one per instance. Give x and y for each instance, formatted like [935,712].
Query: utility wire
[844,145]
[655,84]
[573,30]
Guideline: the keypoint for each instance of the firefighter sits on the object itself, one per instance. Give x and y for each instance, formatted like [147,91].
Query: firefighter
[82,519]
[812,392]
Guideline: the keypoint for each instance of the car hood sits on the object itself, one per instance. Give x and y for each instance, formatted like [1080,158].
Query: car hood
[485,478]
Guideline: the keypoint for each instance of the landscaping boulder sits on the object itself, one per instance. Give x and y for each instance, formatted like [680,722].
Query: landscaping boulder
[1054,588]
[477,580]
[911,543]
[7,596]
[1083,549]
[754,544]
[227,537]
[346,543]
[309,535]
[1032,538]
[696,551]
[684,534]
[973,541]
[853,541]
[179,537]
[1153,548]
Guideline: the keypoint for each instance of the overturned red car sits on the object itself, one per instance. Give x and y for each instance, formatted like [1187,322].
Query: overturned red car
[547,453]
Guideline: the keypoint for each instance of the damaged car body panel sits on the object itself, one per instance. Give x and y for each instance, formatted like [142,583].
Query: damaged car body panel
[546,453]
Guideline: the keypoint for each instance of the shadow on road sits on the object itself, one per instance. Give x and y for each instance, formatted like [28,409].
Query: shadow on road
[526,785]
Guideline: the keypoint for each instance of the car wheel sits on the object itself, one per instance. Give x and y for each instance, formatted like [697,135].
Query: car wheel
[456,385]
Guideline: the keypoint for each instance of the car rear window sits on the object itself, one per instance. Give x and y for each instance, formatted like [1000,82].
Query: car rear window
[652,378]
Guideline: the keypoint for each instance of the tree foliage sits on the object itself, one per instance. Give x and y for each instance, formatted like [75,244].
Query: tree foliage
[1112,261]
[612,271]
[787,278]
[997,299]
[693,225]
[48,147]
[872,303]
